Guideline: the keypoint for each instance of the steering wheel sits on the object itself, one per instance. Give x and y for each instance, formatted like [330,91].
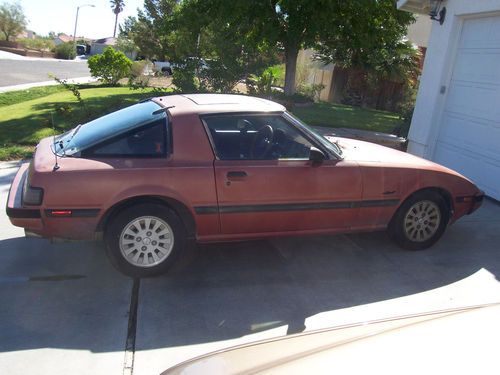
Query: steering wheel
[262,142]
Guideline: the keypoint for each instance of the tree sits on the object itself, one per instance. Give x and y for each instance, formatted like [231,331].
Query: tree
[368,37]
[12,20]
[291,25]
[110,66]
[152,31]
[288,25]
[229,49]
[117,7]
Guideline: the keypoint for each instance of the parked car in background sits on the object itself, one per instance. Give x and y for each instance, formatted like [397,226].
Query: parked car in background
[81,49]
[222,168]
[162,67]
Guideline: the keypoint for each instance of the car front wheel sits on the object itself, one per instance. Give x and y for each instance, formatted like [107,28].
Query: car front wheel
[144,240]
[420,221]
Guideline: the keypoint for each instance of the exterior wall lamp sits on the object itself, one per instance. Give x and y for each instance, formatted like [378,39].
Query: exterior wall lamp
[437,12]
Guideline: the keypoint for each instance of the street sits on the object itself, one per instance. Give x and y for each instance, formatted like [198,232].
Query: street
[23,71]
[64,309]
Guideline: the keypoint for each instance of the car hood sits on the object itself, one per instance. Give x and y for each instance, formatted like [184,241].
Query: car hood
[370,153]
[451,341]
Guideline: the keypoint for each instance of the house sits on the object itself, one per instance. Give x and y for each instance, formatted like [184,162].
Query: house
[62,38]
[26,34]
[99,45]
[457,115]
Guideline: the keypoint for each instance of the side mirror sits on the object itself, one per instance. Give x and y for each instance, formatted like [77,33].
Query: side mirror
[316,156]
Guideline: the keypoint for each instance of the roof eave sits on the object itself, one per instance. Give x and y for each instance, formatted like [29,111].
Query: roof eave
[414,6]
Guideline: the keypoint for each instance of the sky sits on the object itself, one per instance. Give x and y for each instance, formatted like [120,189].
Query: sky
[59,16]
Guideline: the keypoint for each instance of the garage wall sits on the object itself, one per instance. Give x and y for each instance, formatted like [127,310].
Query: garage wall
[437,75]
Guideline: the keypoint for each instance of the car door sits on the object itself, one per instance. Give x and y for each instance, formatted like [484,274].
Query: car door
[266,182]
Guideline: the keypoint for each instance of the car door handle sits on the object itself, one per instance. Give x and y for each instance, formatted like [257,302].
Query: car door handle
[236,174]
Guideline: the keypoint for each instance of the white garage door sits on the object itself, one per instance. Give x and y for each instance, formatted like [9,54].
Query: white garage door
[469,139]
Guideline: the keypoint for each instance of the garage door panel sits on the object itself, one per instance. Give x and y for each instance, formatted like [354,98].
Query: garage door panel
[485,63]
[484,173]
[475,100]
[481,33]
[473,135]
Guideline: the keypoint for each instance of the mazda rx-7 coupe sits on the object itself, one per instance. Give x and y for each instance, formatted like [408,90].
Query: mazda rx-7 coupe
[150,177]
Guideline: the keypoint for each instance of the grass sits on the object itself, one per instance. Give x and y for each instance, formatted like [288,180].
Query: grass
[344,116]
[26,116]
[14,97]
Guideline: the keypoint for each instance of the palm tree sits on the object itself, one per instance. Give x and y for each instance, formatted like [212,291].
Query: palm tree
[117,7]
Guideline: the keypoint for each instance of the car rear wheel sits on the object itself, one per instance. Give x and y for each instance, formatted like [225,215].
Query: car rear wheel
[144,240]
[420,221]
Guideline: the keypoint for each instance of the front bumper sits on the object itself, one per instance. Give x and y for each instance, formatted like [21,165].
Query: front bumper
[471,202]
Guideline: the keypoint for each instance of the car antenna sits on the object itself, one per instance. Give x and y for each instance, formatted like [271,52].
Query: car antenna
[56,165]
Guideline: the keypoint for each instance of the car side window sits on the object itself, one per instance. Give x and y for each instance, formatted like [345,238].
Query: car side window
[256,137]
[146,141]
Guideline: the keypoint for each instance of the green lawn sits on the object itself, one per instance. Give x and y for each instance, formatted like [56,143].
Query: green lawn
[344,116]
[26,116]
[13,97]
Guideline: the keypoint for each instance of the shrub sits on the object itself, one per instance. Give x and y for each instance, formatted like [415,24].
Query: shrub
[137,79]
[110,66]
[311,91]
[219,76]
[38,44]
[184,78]
[66,51]
[266,83]
[261,85]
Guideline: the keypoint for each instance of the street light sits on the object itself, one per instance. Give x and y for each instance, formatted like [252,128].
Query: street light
[76,20]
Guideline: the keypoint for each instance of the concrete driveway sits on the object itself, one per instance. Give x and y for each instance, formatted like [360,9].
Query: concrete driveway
[64,309]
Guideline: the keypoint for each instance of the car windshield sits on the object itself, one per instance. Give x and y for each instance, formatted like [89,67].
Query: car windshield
[105,127]
[332,147]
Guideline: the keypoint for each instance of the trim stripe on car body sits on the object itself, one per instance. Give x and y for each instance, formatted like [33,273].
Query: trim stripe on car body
[203,210]
[79,212]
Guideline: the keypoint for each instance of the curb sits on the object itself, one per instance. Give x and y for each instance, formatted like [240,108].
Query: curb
[26,86]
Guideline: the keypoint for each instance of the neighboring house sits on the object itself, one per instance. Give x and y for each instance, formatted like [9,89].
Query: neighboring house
[62,38]
[99,45]
[457,115]
[26,34]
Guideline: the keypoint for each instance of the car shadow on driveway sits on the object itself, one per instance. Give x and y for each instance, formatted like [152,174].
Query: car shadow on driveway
[68,296]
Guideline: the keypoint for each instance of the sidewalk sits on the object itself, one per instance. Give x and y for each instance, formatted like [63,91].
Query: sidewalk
[25,86]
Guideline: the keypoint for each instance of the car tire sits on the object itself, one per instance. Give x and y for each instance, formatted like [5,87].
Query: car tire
[144,240]
[420,221]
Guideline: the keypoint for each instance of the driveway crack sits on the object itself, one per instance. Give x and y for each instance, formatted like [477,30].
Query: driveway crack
[128,363]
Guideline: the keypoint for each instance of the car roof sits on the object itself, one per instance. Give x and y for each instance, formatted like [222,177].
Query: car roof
[216,103]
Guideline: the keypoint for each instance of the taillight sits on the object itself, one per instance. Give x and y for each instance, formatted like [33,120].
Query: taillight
[32,196]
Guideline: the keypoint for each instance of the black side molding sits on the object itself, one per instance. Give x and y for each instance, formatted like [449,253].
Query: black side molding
[20,213]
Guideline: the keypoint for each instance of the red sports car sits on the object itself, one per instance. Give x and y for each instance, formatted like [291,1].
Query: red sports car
[223,168]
